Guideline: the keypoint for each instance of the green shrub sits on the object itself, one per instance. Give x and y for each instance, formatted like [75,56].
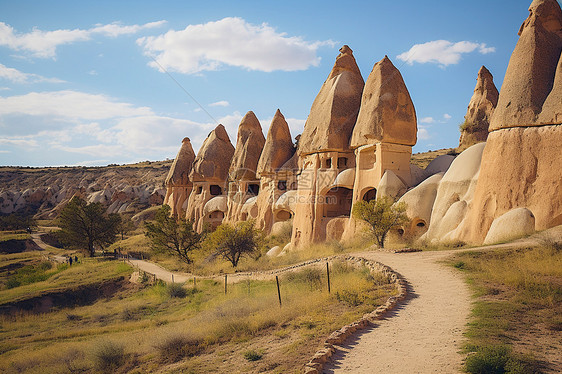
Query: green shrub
[108,356]
[350,298]
[459,265]
[176,290]
[174,348]
[498,359]
[252,355]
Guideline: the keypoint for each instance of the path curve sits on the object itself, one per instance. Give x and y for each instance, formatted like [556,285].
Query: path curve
[424,333]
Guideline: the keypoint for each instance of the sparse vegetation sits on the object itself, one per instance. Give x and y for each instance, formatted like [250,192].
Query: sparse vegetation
[234,242]
[381,214]
[108,356]
[252,355]
[518,290]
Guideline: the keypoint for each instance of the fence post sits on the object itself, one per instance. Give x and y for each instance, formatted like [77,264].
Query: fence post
[248,285]
[194,283]
[328,272]
[278,290]
[225,282]
[172,278]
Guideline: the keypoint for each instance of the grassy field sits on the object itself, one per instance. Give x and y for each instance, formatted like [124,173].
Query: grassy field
[516,321]
[148,328]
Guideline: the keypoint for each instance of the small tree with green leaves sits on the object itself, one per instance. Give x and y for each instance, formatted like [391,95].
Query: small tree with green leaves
[173,235]
[381,215]
[85,226]
[233,242]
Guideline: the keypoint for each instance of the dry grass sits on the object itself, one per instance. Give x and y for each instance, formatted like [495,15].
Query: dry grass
[208,323]
[519,298]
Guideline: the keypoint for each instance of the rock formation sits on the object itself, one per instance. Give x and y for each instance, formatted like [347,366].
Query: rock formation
[480,109]
[521,163]
[323,150]
[387,114]
[178,185]
[275,182]
[243,183]
[511,225]
[334,111]
[209,176]
[530,74]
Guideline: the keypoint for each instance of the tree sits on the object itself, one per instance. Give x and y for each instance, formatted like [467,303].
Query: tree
[381,215]
[125,225]
[171,234]
[87,225]
[233,242]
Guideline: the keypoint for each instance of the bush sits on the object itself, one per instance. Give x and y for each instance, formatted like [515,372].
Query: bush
[350,298]
[176,290]
[252,355]
[174,348]
[108,356]
[500,360]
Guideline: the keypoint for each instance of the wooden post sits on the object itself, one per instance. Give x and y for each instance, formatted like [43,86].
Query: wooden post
[248,285]
[225,283]
[328,272]
[278,290]
[194,282]
[172,278]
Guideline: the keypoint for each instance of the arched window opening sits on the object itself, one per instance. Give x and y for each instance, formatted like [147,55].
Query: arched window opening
[370,195]
[215,190]
[337,202]
[282,185]
[253,189]
[342,162]
[283,215]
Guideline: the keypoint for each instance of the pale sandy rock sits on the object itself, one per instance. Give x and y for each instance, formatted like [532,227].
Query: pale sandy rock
[454,194]
[345,179]
[516,223]
[520,168]
[217,203]
[287,201]
[280,228]
[274,252]
[387,113]
[213,159]
[480,110]
[278,148]
[334,111]
[391,186]
[439,165]
[335,228]
[417,175]
[532,67]
[249,145]
[419,204]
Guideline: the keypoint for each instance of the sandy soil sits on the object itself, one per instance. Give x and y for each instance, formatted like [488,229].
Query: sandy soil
[424,334]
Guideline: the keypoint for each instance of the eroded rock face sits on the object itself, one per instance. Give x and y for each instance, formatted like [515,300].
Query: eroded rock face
[334,111]
[178,185]
[513,224]
[480,110]
[521,167]
[552,108]
[387,113]
[249,145]
[214,157]
[278,147]
[530,74]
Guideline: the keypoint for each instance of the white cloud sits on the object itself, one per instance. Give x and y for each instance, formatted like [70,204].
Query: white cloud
[17,76]
[447,116]
[423,134]
[70,105]
[21,142]
[442,52]
[220,103]
[427,120]
[116,29]
[43,44]
[230,41]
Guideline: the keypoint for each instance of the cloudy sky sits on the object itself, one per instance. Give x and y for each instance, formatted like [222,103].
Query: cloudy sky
[99,82]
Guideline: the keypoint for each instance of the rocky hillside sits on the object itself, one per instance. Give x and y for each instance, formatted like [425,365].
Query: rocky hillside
[44,191]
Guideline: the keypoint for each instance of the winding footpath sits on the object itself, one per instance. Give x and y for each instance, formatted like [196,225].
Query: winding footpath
[422,335]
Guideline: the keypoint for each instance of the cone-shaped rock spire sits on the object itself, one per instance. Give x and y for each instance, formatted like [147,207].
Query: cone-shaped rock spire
[480,110]
[249,145]
[181,167]
[278,146]
[387,113]
[531,70]
[213,159]
[334,111]
[552,109]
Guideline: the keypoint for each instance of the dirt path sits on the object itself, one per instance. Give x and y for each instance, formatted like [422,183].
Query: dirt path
[423,335]
[36,237]
[160,272]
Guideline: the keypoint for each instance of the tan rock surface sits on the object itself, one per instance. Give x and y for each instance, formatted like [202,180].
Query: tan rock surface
[214,157]
[178,185]
[278,148]
[552,108]
[531,70]
[387,113]
[249,145]
[521,167]
[334,111]
[391,186]
[480,110]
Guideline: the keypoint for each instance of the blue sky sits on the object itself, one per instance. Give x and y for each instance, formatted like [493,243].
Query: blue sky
[81,81]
